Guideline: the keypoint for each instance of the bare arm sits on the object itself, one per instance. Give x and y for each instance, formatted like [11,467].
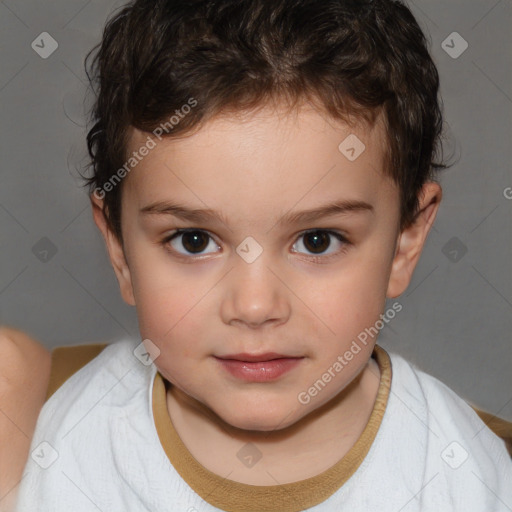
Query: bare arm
[24,374]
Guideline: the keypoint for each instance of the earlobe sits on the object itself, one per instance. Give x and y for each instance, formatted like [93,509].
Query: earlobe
[115,251]
[412,239]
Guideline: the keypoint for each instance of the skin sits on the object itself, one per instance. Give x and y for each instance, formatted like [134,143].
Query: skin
[24,374]
[254,169]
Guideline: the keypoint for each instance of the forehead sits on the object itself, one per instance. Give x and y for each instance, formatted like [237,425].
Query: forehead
[261,159]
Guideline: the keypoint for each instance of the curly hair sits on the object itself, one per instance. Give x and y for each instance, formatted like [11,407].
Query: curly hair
[350,58]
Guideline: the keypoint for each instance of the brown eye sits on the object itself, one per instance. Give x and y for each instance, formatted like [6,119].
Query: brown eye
[190,242]
[195,241]
[317,241]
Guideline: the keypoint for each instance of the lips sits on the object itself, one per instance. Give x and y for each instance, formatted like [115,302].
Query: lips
[265,367]
[256,358]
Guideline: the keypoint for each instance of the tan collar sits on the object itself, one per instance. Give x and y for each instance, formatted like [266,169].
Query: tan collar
[234,496]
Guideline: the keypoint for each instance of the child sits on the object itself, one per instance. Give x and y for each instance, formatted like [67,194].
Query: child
[296,140]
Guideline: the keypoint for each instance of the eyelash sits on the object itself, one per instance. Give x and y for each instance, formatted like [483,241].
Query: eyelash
[317,259]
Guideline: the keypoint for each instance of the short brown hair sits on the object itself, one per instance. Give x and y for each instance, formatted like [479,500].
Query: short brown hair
[353,58]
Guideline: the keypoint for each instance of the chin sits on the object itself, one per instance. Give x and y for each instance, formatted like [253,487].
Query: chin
[259,419]
[258,424]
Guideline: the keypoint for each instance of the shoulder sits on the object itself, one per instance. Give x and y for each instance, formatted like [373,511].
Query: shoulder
[439,445]
[449,418]
[110,377]
[434,394]
[103,409]
[81,414]
[79,367]
[68,360]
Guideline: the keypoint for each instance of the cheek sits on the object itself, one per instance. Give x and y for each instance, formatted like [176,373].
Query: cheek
[161,297]
[170,313]
[353,298]
[167,315]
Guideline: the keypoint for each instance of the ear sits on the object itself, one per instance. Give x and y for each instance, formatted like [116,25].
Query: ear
[115,251]
[411,240]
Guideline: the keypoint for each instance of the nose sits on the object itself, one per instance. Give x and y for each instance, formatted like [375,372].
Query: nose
[254,295]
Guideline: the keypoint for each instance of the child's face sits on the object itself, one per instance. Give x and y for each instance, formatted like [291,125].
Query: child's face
[198,308]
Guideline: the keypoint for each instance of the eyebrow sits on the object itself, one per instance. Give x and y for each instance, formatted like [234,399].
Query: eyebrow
[204,215]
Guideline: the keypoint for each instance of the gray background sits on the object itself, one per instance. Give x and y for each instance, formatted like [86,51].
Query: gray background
[456,319]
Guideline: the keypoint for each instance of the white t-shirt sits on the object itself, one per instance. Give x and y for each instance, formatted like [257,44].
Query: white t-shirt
[96,448]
